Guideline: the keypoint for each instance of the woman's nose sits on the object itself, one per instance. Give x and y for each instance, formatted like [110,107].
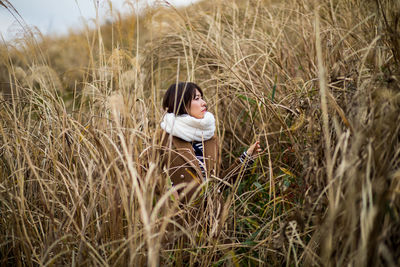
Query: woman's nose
[203,103]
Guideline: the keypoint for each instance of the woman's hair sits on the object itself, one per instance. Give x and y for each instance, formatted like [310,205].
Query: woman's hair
[178,97]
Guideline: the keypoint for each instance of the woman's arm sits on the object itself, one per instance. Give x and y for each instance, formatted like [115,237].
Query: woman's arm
[242,163]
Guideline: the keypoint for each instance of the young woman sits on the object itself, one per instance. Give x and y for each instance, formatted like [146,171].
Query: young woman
[190,145]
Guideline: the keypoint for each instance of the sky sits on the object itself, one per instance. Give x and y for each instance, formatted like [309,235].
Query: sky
[57,16]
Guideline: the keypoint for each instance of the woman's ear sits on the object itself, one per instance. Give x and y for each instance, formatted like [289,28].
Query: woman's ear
[187,109]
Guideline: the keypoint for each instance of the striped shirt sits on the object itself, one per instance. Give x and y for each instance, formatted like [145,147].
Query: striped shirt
[198,151]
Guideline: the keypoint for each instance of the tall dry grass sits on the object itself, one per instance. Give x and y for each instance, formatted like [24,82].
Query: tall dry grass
[316,82]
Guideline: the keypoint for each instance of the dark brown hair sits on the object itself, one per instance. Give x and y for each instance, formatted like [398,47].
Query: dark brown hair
[178,97]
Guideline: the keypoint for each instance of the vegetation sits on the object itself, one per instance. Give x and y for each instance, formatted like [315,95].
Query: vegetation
[316,81]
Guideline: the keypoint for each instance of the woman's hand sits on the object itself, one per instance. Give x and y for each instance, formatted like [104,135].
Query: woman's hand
[254,150]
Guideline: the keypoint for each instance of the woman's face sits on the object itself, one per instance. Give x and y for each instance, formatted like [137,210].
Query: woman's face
[198,106]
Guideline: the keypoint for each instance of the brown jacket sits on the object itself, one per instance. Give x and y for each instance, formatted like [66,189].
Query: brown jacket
[182,166]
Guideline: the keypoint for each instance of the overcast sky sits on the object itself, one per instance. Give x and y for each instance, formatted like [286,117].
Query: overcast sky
[57,16]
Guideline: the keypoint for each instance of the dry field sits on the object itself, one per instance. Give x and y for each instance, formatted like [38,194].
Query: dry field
[317,82]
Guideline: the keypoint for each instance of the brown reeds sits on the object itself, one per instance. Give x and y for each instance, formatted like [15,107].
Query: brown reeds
[80,171]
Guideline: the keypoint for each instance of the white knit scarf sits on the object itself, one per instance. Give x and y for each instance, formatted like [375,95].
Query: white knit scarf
[189,128]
